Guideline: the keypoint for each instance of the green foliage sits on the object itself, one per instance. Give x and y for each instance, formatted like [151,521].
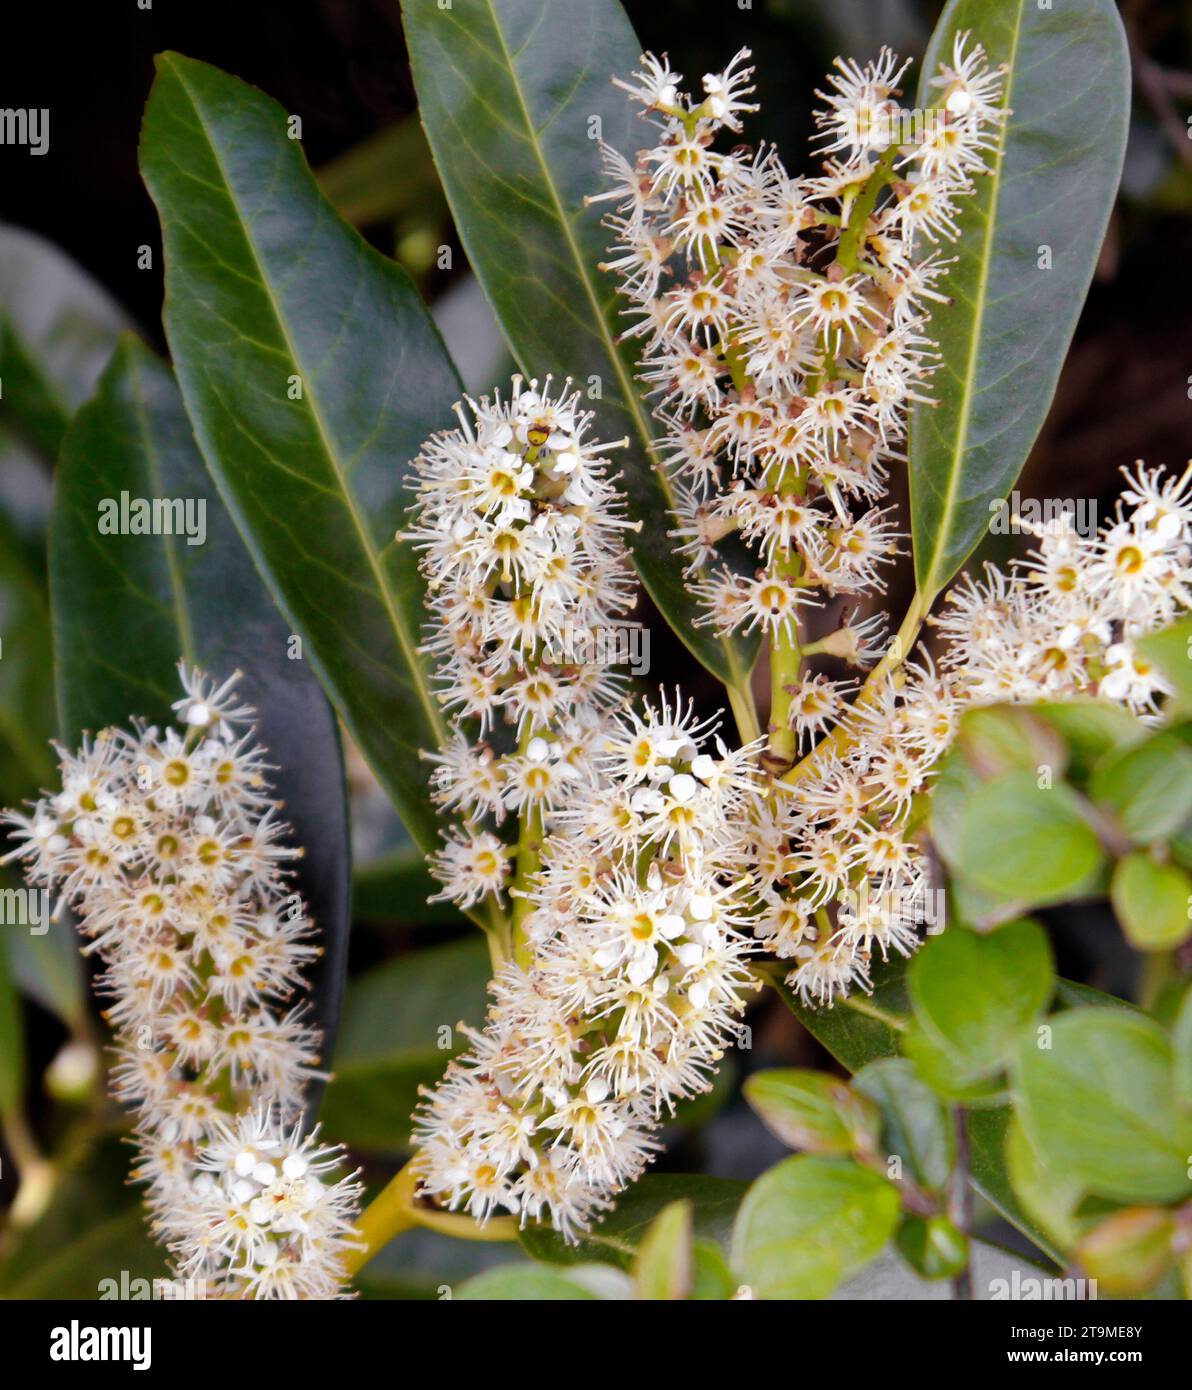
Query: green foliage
[971,994]
[1151,901]
[1025,842]
[808,1224]
[617,1238]
[811,1111]
[133,438]
[1094,1091]
[663,1267]
[1005,329]
[915,1125]
[307,406]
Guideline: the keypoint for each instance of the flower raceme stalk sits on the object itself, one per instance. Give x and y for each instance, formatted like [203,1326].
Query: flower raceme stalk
[169,847]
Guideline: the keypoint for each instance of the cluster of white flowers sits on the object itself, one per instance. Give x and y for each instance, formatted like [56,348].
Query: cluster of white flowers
[520,528]
[1067,620]
[627,973]
[639,976]
[1062,623]
[171,850]
[650,861]
[783,321]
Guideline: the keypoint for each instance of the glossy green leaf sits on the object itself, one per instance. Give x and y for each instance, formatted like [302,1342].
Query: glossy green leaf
[932,1246]
[873,1027]
[1003,336]
[57,331]
[616,1239]
[48,968]
[1147,787]
[972,993]
[1094,1093]
[812,1111]
[809,1223]
[399,1031]
[662,1268]
[512,93]
[270,294]
[915,1125]
[1171,651]
[862,1027]
[203,603]
[1152,901]
[1015,838]
[1050,1195]
[989,1175]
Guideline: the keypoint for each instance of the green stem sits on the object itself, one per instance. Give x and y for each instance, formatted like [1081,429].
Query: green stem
[395,1209]
[839,739]
[529,861]
[852,237]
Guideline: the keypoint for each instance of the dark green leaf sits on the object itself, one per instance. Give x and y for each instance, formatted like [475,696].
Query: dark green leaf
[269,293]
[809,1223]
[714,1203]
[57,330]
[395,888]
[1004,335]
[202,603]
[1094,1093]
[48,967]
[916,1125]
[511,93]
[988,1174]
[396,1019]
[26,673]
[12,1031]
[858,1029]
